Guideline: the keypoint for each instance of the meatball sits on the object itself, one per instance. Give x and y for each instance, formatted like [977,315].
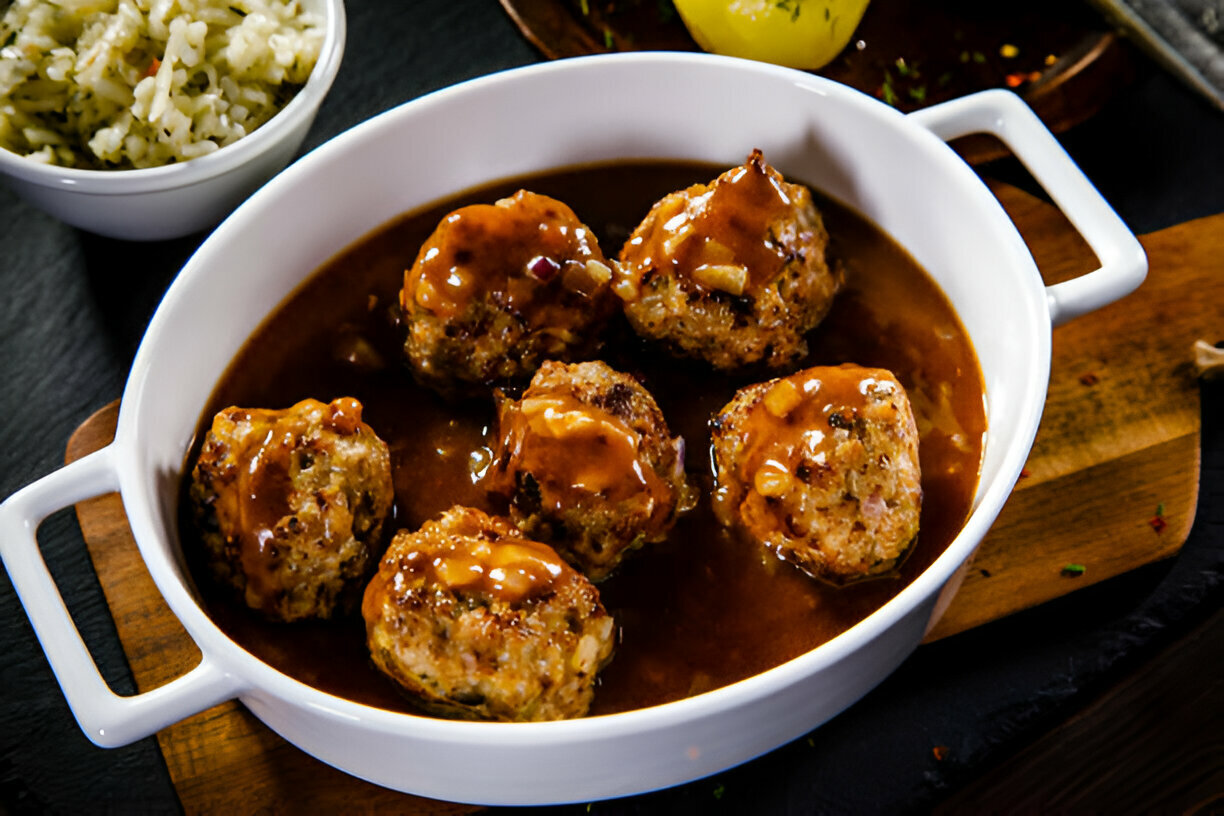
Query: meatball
[290,505]
[733,272]
[822,468]
[588,465]
[476,621]
[499,288]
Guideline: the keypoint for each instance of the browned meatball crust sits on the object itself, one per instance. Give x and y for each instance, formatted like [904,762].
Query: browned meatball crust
[732,272]
[821,467]
[290,505]
[588,465]
[475,621]
[498,288]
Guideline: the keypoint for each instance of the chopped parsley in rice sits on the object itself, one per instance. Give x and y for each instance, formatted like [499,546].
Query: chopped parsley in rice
[121,84]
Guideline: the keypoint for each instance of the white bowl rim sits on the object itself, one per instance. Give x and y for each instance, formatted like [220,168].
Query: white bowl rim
[260,676]
[187,173]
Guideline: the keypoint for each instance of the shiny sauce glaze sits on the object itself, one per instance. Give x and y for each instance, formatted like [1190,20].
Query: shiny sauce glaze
[791,434]
[578,449]
[696,612]
[536,234]
[510,571]
[263,485]
[727,213]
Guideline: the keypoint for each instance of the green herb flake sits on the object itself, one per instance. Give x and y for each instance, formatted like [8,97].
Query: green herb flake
[719,791]
[903,69]
[889,95]
[979,57]
[918,93]
[1160,509]
[1073,570]
[609,41]
[585,7]
[667,11]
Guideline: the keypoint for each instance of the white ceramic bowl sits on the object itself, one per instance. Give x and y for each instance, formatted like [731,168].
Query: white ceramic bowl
[895,169]
[168,202]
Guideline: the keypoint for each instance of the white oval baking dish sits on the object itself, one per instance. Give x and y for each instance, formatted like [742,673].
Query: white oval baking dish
[895,169]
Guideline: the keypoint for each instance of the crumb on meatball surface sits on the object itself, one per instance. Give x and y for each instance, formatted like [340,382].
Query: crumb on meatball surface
[587,463]
[821,467]
[498,288]
[475,621]
[290,505]
[732,272]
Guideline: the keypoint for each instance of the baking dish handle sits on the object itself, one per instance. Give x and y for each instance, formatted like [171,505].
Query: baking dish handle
[1004,115]
[108,719]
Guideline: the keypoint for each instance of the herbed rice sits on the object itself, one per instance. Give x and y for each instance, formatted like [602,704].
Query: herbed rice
[115,84]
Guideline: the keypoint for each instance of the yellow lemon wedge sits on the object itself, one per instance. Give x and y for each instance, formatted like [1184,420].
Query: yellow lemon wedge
[796,33]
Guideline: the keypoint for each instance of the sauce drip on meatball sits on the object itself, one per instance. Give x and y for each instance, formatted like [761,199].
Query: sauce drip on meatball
[822,468]
[498,288]
[732,272]
[291,504]
[587,464]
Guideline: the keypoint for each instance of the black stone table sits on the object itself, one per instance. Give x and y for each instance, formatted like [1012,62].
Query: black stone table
[73,308]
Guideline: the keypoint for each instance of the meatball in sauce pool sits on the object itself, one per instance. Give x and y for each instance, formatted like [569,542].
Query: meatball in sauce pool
[700,584]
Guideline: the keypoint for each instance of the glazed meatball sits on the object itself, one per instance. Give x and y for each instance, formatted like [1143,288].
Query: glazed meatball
[474,620]
[821,467]
[499,288]
[588,464]
[290,505]
[733,272]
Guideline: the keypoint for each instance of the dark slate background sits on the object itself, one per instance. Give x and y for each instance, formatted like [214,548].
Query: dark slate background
[73,308]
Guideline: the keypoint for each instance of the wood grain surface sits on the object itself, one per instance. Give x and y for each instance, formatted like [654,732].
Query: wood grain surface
[1118,449]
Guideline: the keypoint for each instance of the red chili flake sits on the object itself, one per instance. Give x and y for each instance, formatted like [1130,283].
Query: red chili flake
[1157,521]
[940,752]
[1025,473]
[1015,80]
[1089,379]
[153,66]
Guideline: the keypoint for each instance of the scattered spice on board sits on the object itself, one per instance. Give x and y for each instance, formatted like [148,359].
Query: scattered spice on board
[940,752]
[1015,80]
[985,573]
[1089,379]
[1073,570]
[1158,521]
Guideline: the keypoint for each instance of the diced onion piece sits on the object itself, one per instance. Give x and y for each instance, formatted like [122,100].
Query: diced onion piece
[772,480]
[627,289]
[601,273]
[782,398]
[730,278]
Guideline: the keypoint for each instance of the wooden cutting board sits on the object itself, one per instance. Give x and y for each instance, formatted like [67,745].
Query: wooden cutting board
[1111,485]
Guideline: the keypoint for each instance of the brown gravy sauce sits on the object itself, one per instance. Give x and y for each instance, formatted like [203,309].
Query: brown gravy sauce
[702,609]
